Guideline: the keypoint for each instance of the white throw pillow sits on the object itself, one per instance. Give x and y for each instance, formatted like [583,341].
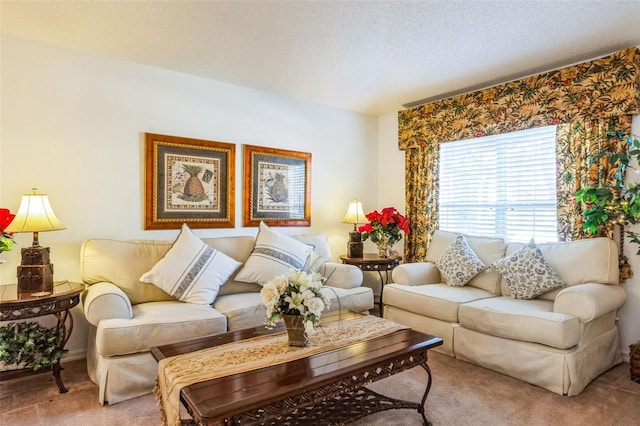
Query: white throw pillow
[458,263]
[274,254]
[191,271]
[527,274]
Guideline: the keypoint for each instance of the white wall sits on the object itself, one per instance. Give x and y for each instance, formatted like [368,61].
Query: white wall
[391,192]
[73,125]
[391,182]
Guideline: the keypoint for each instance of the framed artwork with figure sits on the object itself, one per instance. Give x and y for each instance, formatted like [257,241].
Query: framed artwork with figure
[277,187]
[188,181]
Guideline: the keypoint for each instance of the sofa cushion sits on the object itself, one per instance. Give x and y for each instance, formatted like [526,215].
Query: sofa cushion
[122,263]
[191,271]
[240,248]
[246,310]
[243,310]
[438,301]
[568,260]
[321,253]
[341,275]
[488,249]
[524,320]
[358,299]
[416,273]
[527,274]
[155,324]
[458,263]
[274,254]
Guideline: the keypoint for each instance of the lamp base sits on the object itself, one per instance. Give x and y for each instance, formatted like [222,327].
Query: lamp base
[35,274]
[354,246]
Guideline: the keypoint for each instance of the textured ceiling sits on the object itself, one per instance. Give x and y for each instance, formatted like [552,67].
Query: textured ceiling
[366,56]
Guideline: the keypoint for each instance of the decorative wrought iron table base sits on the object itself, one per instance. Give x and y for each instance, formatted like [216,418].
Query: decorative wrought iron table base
[16,306]
[338,403]
[347,408]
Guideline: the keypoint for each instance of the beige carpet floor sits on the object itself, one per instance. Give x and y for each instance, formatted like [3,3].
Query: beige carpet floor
[462,394]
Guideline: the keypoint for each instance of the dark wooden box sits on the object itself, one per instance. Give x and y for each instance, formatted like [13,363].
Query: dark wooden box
[354,246]
[35,278]
[35,256]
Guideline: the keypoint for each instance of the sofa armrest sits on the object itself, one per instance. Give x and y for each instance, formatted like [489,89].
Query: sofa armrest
[105,300]
[589,301]
[341,275]
[417,273]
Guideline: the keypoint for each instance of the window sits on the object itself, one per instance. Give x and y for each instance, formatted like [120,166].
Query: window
[503,185]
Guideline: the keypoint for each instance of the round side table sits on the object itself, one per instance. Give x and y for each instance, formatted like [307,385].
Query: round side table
[19,306]
[371,262]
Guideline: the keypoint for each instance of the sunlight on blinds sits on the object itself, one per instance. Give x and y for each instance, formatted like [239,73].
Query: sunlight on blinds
[296,191]
[502,185]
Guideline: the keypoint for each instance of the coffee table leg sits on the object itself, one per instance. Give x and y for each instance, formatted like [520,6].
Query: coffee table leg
[426,393]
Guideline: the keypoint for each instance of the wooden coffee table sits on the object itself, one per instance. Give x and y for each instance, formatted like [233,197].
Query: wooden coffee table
[325,388]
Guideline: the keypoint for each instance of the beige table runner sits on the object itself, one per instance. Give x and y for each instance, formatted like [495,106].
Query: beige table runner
[183,370]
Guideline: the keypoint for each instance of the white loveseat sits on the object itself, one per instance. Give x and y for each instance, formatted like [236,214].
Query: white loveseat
[560,340]
[128,317]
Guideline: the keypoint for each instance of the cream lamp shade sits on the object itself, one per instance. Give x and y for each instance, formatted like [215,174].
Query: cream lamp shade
[35,215]
[354,214]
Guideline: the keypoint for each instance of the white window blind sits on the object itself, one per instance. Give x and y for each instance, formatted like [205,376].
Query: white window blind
[503,185]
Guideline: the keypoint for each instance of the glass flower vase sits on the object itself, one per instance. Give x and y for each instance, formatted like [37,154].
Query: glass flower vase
[383,250]
[383,246]
[295,330]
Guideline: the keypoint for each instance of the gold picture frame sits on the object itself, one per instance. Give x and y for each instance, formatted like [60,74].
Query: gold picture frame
[277,187]
[188,181]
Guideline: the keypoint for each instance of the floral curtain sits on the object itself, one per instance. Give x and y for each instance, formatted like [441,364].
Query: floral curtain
[576,144]
[421,199]
[581,100]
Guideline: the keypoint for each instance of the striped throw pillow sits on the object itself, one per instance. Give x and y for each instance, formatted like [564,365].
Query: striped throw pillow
[274,254]
[191,271]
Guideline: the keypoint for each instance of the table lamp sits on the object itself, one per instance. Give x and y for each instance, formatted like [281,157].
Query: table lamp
[35,273]
[356,216]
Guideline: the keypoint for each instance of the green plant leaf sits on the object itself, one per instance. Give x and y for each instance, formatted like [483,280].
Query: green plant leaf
[30,344]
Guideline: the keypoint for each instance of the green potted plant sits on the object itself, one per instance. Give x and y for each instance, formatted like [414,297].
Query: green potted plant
[618,204]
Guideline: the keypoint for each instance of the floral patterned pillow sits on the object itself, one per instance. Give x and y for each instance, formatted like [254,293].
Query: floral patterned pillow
[527,274]
[458,263]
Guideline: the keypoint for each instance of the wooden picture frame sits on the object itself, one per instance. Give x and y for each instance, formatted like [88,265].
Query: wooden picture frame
[188,181]
[277,187]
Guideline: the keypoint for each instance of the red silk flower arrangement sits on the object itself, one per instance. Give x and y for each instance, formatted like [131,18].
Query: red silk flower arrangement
[6,238]
[384,228]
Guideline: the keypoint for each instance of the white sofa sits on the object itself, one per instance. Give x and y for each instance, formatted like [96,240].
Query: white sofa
[127,317]
[560,340]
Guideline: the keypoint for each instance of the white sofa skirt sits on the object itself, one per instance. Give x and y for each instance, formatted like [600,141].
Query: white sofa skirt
[563,371]
[120,377]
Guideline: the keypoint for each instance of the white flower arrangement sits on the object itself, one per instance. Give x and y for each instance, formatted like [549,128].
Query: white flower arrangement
[298,293]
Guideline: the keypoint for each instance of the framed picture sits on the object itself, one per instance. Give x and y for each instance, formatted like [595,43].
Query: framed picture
[188,181]
[277,187]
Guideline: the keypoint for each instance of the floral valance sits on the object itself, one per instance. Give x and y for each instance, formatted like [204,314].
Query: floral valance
[605,87]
